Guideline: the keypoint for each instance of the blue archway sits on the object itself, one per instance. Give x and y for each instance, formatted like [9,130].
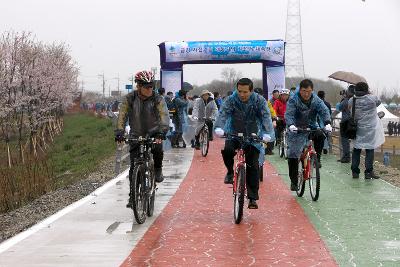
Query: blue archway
[270,53]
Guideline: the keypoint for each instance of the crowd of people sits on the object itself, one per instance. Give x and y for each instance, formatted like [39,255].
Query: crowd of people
[247,111]
[393,128]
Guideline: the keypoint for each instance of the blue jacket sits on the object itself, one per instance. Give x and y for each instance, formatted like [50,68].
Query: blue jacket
[305,115]
[252,117]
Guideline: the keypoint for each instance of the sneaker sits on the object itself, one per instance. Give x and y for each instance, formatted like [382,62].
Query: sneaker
[252,204]
[293,186]
[129,205]
[344,161]
[371,175]
[228,179]
[158,175]
[356,175]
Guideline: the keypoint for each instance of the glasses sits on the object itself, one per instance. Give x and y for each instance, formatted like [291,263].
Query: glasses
[148,86]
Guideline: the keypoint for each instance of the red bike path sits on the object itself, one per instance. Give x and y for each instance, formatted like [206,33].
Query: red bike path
[196,228]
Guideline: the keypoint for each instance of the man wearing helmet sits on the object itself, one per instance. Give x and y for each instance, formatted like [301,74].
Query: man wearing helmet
[148,115]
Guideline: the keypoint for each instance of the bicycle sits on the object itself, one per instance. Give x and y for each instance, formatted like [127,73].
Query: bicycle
[309,168]
[204,138]
[239,177]
[143,185]
[282,140]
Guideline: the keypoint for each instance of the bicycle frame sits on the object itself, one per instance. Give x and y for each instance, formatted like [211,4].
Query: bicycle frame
[305,159]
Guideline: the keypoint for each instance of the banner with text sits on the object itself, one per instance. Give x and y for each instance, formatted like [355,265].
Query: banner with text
[225,50]
[171,80]
[275,78]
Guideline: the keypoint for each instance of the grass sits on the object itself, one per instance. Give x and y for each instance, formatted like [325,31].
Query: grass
[85,142]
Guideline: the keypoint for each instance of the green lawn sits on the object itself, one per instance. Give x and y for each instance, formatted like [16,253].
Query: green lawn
[85,142]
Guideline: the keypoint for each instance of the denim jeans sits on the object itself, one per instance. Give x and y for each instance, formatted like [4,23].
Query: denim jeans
[369,160]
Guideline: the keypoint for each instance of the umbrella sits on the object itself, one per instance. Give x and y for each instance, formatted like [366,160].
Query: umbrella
[348,77]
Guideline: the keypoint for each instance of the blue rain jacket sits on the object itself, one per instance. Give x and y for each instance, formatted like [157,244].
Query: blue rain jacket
[303,115]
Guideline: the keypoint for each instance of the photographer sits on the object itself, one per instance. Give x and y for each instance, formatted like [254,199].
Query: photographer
[343,106]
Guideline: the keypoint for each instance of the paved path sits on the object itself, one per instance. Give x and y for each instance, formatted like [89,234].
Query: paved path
[358,219]
[197,229]
[100,232]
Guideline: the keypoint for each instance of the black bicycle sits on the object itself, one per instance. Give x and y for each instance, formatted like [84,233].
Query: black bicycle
[204,138]
[143,184]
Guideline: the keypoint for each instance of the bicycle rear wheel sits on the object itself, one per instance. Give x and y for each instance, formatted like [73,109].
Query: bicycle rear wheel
[204,141]
[138,192]
[239,195]
[314,177]
[301,183]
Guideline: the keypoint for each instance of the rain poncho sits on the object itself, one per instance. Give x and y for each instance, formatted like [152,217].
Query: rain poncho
[202,110]
[253,116]
[303,115]
[180,117]
[370,132]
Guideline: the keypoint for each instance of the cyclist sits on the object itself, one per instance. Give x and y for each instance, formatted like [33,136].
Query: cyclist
[245,112]
[301,111]
[280,109]
[205,107]
[148,115]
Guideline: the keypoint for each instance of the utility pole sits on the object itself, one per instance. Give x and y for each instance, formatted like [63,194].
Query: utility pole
[104,84]
[294,66]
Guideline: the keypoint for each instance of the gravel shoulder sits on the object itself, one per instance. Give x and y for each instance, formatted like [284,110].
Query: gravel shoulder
[18,220]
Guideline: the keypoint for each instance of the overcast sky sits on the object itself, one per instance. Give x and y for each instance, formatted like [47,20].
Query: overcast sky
[121,36]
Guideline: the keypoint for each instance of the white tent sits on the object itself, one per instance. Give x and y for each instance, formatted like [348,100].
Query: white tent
[385,120]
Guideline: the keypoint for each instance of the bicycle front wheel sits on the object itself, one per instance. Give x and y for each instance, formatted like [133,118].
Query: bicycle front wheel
[151,192]
[314,177]
[239,195]
[204,142]
[301,183]
[138,192]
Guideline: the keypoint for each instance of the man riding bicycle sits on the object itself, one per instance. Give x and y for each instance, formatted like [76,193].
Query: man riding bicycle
[245,112]
[280,109]
[205,110]
[148,116]
[301,111]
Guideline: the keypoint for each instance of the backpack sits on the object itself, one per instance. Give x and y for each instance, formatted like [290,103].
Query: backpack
[350,125]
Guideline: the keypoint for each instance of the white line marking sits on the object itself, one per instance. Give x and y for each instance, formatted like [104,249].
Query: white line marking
[4,246]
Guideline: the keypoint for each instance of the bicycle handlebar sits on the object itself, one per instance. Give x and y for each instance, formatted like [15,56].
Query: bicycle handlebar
[253,137]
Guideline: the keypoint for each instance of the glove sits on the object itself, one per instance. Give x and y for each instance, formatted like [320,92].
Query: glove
[266,137]
[328,128]
[119,135]
[195,118]
[293,128]
[160,136]
[219,132]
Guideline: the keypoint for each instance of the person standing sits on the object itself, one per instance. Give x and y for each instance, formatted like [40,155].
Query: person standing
[180,117]
[343,106]
[370,133]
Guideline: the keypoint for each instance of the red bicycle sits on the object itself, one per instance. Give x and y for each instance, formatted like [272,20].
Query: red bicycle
[239,178]
[309,168]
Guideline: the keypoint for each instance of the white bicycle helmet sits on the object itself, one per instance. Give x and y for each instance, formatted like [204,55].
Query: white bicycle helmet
[284,91]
